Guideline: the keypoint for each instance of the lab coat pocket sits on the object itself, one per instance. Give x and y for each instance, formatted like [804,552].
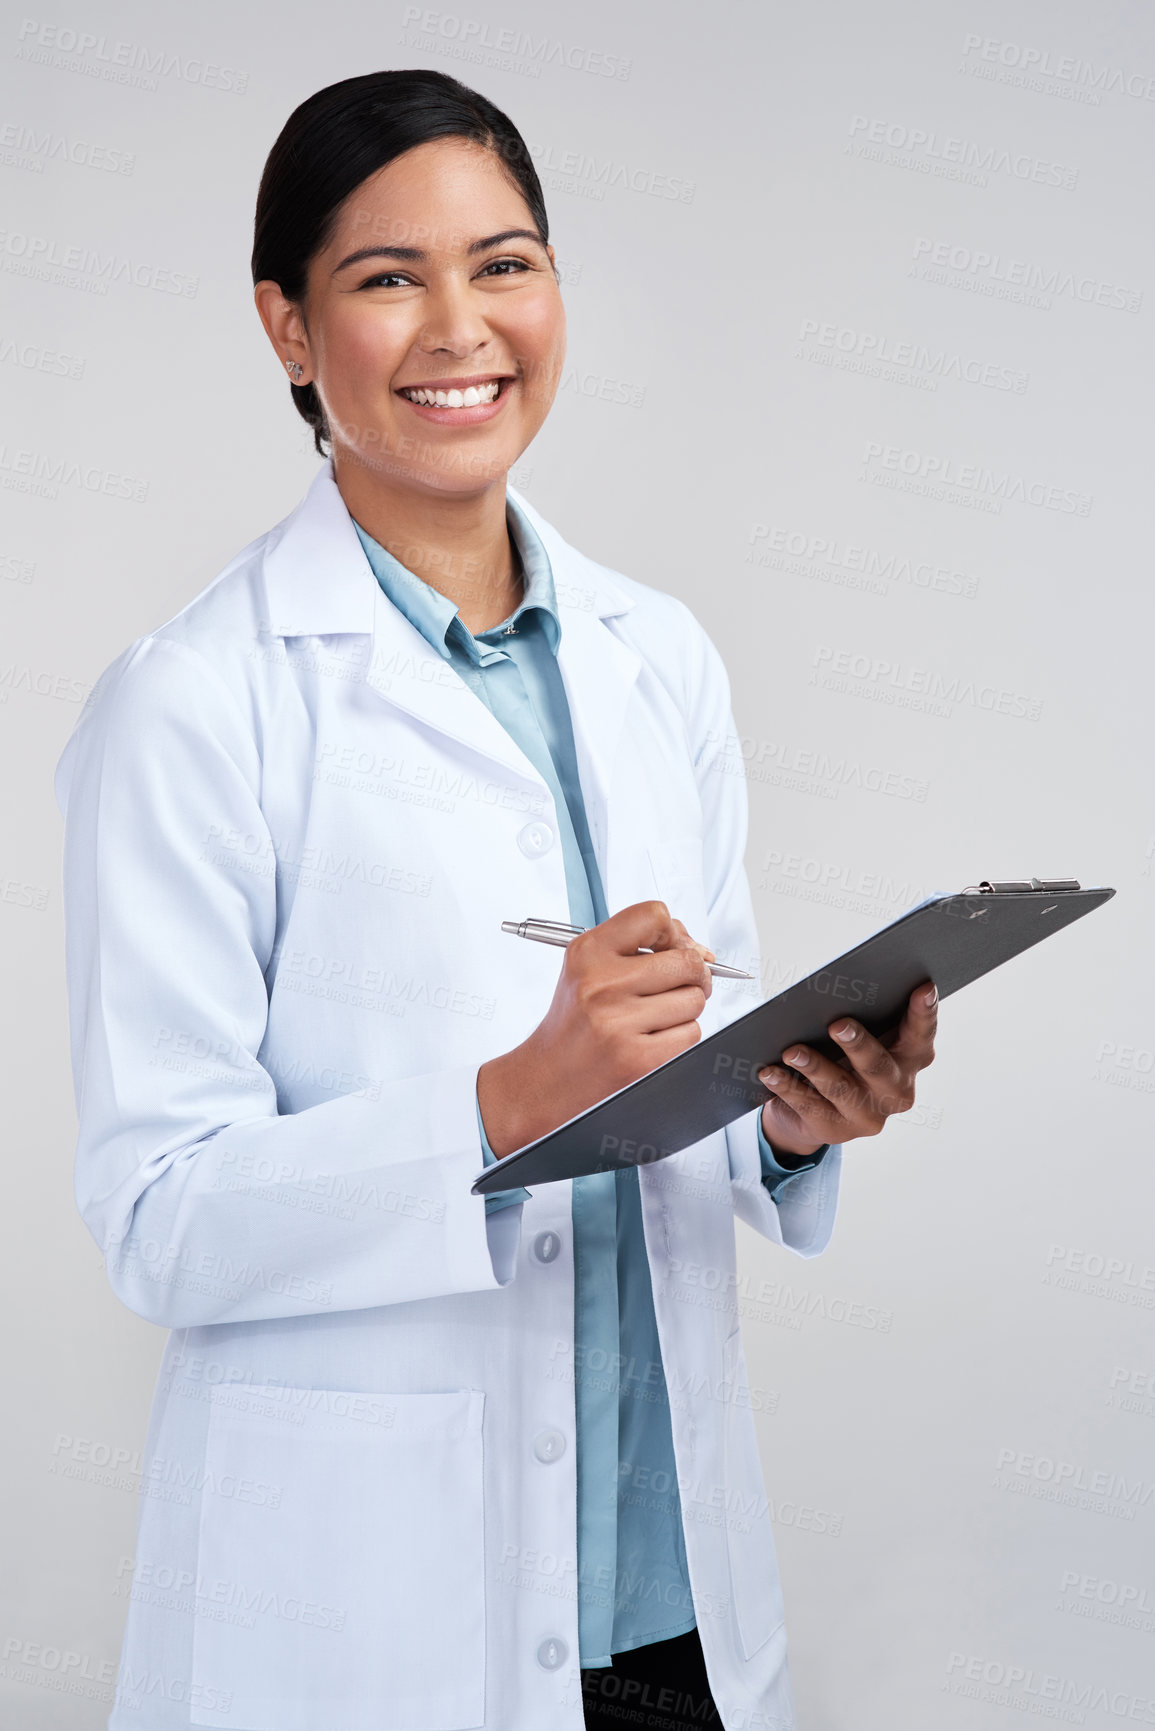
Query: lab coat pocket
[341,1570]
[754,1582]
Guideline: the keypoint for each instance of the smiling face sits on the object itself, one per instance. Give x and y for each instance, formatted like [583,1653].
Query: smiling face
[432,326]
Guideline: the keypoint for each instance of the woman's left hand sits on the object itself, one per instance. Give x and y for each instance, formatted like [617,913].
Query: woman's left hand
[816,1100]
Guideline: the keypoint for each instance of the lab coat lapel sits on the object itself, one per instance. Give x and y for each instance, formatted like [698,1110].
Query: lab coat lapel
[599,672]
[406,671]
[318,583]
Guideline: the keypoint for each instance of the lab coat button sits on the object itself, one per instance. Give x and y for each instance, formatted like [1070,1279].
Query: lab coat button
[549,1445]
[552,1653]
[535,839]
[546,1246]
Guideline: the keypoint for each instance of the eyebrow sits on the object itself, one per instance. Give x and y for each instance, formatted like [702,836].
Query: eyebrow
[415,255]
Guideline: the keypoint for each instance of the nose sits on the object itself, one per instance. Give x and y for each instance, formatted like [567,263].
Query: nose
[454,323]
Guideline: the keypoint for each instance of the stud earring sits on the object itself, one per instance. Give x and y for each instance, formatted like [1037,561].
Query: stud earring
[295,371]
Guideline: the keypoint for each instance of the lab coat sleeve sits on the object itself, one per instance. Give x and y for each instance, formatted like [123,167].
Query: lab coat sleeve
[802,1215]
[503,1198]
[209,1204]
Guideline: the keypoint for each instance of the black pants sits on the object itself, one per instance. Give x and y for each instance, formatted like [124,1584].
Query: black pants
[661,1686]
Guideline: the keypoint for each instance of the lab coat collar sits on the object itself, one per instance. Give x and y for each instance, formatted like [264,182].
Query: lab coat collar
[437,617]
[318,582]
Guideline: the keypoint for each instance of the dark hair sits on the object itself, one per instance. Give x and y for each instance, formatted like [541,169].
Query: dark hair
[340,136]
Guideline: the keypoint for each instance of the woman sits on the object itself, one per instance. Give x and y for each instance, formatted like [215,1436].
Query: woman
[418,1460]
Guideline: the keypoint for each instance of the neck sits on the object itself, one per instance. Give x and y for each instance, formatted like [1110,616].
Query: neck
[459,545]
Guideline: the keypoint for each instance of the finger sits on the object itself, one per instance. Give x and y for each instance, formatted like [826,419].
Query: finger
[682,949]
[914,1043]
[646,926]
[683,938]
[844,1089]
[676,957]
[664,971]
[686,942]
[666,1043]
[641,926]
[669,970]
[670,1009]
[813,1112]
[886,1081]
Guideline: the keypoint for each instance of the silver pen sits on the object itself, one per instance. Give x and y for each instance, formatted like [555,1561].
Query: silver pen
[558,932]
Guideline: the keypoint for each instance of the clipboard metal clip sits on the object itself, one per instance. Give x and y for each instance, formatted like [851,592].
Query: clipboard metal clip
[1018,886]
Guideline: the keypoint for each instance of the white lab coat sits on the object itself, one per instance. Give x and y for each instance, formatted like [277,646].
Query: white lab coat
[292,834]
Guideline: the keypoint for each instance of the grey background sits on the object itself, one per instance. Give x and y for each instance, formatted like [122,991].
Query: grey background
[959,1397]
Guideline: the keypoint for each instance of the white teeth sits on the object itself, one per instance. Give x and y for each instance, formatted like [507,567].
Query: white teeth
[454,399]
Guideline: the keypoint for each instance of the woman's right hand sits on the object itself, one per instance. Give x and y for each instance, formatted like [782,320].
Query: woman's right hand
[615,1016]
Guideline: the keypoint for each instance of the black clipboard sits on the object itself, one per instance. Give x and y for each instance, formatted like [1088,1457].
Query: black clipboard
[951,939]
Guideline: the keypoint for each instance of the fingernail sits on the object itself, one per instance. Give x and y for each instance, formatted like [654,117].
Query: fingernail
[773,1074]
[799,1058]
[930,997]
[844,1031]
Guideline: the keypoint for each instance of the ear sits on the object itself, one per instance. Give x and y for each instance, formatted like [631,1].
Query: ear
[284,327]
